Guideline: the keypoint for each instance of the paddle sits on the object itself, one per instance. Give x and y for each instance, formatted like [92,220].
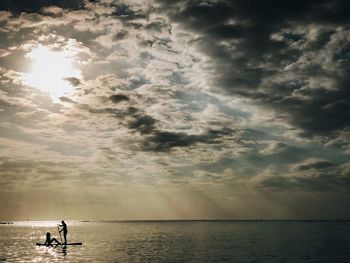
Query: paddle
[58,227]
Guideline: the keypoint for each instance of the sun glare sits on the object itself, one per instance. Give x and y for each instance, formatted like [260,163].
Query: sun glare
[50,70]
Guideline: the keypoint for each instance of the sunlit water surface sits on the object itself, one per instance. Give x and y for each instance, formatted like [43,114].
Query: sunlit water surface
[180,242]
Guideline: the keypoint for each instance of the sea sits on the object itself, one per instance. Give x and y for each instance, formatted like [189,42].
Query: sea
[179,241]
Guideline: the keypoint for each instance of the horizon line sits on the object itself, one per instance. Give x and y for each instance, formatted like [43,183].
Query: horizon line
[178,220]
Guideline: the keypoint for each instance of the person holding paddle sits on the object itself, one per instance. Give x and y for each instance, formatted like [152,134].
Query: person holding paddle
[64,230]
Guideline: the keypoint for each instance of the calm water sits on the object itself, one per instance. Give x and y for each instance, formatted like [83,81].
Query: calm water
[180,242]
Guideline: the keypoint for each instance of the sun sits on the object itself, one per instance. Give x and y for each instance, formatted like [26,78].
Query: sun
[50,70]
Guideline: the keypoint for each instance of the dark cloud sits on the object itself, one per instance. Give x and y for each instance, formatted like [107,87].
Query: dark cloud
[274,52]
[123,11]
[18,6]
[155,139]
[121,35]
[313,164]
[74,81]
[340,141]
[162,141]
[142,123]
[118,98]
[66,99]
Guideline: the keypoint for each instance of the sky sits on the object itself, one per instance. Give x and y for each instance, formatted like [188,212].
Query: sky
[174,109]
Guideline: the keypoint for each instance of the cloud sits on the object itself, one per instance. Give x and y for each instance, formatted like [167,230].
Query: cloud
[18,6]
[293,62]
[311,175]
[116,98]
[340,140]
[66,99]
[312,163]
[274,148]
[4,53]
[74,81]
[142,123]
[53,10]
[164,141]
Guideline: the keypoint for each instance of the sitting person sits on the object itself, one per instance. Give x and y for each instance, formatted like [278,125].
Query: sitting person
[49,241]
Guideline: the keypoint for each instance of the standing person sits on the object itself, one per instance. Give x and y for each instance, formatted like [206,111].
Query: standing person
[65,231]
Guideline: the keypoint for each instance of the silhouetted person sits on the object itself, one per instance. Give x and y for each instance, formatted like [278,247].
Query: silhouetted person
[49,241]
[65,231]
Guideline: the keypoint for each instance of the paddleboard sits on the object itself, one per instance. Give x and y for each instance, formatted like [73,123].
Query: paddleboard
[68,244]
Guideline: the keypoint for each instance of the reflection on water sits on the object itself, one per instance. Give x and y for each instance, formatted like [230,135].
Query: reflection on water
[180,242]
[49,254]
